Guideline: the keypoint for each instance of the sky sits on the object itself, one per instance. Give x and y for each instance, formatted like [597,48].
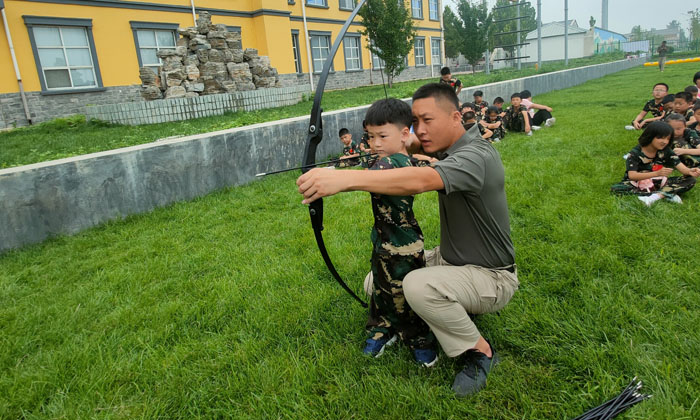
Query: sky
[622,14]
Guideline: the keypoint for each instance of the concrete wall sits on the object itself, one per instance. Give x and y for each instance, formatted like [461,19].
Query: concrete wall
[68,195]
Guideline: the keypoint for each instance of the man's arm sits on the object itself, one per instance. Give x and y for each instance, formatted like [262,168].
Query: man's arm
[319,182]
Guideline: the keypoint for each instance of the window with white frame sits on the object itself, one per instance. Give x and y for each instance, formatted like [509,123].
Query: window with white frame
[65,54]
[435,51]
[347,4]
[150,41]
[434,10]
[417,9]
[317,3]
[419,51]
[296,51]
[320,50]
[353,58]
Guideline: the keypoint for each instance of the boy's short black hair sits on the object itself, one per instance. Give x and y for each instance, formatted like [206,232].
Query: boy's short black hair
[674,116]
[660,129]
[526,94]
[696,106]
[668,98]
[693,90]
[445,71]
[389,111]
[478,93]
[662,84]
[498,100]
[467,105]
[696,77]
[686,96]
[343,131]
[516,95]
[438,91]
[491,109]
[469,115]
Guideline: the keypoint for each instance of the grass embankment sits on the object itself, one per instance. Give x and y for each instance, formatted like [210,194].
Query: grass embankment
[74,136]
[222,307]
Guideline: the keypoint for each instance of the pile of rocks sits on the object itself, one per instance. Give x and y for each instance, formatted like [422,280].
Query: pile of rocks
[208,59]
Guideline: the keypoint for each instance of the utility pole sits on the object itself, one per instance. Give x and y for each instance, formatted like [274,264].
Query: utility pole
[566,33]
[539,34]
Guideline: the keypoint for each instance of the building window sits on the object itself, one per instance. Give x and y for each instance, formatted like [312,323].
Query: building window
[434,11]
[347,4]
[151,37]
[320,50]
[322,3]
[417,9]
[419,51]
[353,58]
[435,52]
[64,51]
[296,51]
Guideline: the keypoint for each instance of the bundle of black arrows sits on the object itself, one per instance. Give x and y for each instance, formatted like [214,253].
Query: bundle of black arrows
[609,409]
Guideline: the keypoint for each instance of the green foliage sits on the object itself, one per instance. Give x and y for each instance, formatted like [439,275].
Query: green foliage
[389,26]
[527,24]
[468,30]
[694,18]
[222,307]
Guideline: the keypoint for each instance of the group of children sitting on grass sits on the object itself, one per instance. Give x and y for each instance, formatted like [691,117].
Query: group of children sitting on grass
[671,139]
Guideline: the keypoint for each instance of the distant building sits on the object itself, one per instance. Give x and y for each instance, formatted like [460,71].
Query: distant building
[581,42]
[607,41]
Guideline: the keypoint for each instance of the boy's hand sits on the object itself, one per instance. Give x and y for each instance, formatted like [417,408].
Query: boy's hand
[319,183]
[664,172]
[694,172]
[548,109]
[680,151]
[636,124]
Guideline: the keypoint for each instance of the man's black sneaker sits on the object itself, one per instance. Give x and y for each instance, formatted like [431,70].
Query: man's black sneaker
[473,377]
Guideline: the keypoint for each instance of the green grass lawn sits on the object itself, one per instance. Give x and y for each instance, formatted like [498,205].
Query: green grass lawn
[73,136]
[222,307]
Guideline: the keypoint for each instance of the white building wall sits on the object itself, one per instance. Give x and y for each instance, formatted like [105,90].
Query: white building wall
[553,48]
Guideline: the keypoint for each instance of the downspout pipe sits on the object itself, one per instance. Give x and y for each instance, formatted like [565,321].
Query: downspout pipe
[14,63]
[194,16]
[308,45]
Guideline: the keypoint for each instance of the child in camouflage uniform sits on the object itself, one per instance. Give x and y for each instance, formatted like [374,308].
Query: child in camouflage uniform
[351,150]
[516,118]
[650,163]
[685,142]
[494,122]
[397,240]
[654,106]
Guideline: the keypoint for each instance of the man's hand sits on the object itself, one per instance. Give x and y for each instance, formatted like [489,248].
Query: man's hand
[319,183]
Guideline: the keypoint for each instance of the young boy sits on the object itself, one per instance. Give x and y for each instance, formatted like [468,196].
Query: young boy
[517,118]
[685,142]
[351,150]
[696,113]
[654,106]
[469,120]
[446,77]
[693,90]
[543,115]
[498,103]
[397,240]
[494,122]
[480,104]
[683,104]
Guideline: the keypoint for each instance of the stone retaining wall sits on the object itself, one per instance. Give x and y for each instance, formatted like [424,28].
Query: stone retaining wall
[69,195]
[177,109]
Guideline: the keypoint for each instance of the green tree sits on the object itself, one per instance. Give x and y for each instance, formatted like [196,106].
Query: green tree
[468,30]
[694,25]
[389,26]
[529,23]
[453,37]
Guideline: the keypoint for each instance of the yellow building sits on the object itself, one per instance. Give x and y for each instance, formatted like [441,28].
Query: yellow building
[73,53]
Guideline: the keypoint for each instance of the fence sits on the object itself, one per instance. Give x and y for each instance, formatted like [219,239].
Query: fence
[648,46]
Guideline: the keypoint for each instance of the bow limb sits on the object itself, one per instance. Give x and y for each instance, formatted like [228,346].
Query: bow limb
[314,137]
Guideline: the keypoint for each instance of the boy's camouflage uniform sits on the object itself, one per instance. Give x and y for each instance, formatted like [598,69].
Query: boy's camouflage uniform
[352,149]
[480,110]
[690,140]
[514,119]
[639,162]
[656,110]
[397,249]
[499,132]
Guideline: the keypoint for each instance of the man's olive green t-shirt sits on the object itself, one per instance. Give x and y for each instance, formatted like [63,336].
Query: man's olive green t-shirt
[474,223]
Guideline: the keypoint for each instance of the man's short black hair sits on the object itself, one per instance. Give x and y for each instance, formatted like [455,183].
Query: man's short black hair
[696,77]
[662,84]
[686,96]
[445,71]
[438,91]
[674,116]
[525,94]
[693,90]
[667,99]
[516,95]
[478,93]
[498,100]
[343,131]
[389,111]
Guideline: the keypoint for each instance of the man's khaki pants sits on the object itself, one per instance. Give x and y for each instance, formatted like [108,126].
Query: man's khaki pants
[444,295]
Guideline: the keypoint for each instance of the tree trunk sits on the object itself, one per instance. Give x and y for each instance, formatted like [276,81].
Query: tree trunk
[390,80]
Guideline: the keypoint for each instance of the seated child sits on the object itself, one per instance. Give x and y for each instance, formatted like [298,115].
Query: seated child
[446,77]
[685,142]
[693,90]
[351,151]
[683,104]
[543,115]
[650,163]
[480,104]
[469,120]
[696,114]
[498,103]
[667,106]
[494,122]
[397,240]
[517,118]
[654,106]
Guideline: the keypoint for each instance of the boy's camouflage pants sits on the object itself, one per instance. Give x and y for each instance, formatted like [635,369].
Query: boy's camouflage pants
[674,185]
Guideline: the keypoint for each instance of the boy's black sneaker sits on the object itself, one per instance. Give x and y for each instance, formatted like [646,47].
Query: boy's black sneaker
[473,377]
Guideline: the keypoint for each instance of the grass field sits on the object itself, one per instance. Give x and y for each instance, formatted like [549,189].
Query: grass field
[73,136]
[222,307]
